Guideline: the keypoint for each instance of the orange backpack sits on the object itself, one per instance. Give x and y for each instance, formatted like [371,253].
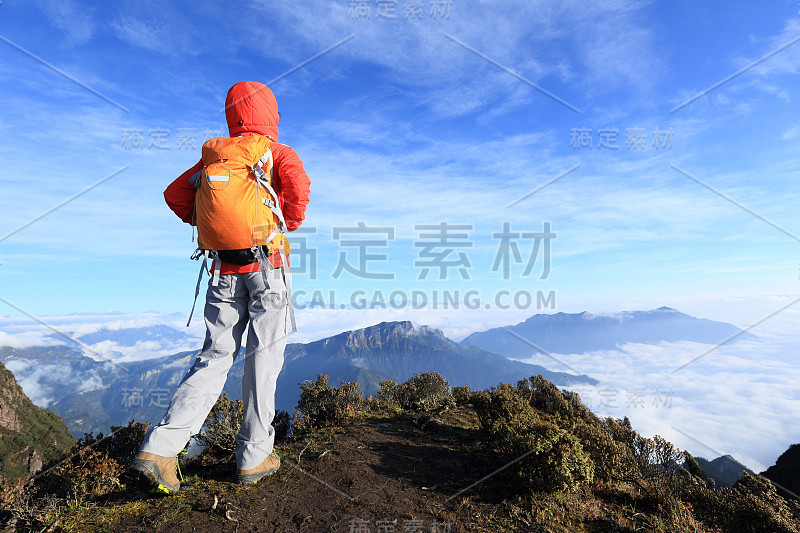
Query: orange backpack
[236,206]
[237,211]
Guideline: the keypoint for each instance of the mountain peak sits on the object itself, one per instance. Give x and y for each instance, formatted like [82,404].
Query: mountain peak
[383,336]
[400,328]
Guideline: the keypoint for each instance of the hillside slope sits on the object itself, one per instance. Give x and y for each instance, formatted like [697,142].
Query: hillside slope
[29,435]
[786,472]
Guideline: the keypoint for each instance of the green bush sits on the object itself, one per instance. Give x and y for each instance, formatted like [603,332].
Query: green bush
[386,396]
[94,465]
[693,467]
[91,468]
[462,396]
[220,428]
[658,464]
[552,458]
[282,422]
[608,456]
[752,505]
[121,444]
[425,391]
[321,405]
[544,396]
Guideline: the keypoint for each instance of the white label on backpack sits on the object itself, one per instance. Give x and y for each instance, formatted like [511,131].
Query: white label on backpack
[225,180]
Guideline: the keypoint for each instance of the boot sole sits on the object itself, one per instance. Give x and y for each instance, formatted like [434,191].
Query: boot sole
[252,479]
[148,476]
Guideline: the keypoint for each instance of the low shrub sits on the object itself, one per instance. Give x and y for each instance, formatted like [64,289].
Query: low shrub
[552,458]
[462,396]
[386,396]
[121,444]
[321,405]
[94,465]
[220,428]
[424,392]
[608,456]
[752,505]
[544,396]
[282,422]
[92,468]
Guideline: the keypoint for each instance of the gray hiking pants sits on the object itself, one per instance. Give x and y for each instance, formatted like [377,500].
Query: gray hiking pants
[236,300]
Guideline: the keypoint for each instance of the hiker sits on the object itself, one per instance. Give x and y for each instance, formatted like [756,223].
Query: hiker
[249,285]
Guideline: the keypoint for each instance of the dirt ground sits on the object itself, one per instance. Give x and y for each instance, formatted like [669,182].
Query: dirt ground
[399,474]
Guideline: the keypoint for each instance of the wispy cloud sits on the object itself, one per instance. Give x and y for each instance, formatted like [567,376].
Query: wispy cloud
[153,35]
[785,62]
[76,21]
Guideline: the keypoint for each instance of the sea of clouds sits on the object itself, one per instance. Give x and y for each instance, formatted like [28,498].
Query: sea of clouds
[739,399]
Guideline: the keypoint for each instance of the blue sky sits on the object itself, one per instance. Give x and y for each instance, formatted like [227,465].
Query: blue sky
[412,120]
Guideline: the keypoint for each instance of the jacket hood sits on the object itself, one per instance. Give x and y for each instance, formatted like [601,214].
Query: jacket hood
[250,107]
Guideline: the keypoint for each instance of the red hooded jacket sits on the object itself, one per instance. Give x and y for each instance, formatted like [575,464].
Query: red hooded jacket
[251,109]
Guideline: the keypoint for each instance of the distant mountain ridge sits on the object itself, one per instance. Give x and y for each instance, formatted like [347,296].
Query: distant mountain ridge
[398,350]
[100,394]
[724,470]
[585,332]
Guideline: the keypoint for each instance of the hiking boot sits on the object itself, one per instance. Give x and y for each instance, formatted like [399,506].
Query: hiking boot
[268,467]
[156,471]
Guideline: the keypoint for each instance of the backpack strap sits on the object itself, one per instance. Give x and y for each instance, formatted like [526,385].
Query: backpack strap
[287,280]
[205,254]
[217,268]
[274,206]
[264,181]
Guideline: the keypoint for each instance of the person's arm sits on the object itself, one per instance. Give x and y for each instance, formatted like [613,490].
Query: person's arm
[180,193]
[293,185]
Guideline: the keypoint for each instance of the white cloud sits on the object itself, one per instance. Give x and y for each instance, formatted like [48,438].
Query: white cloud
[75,20]
[791,134]
[154,35]
[27,339]
[770,58]
[28,376]
[787,61]
[22,333]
